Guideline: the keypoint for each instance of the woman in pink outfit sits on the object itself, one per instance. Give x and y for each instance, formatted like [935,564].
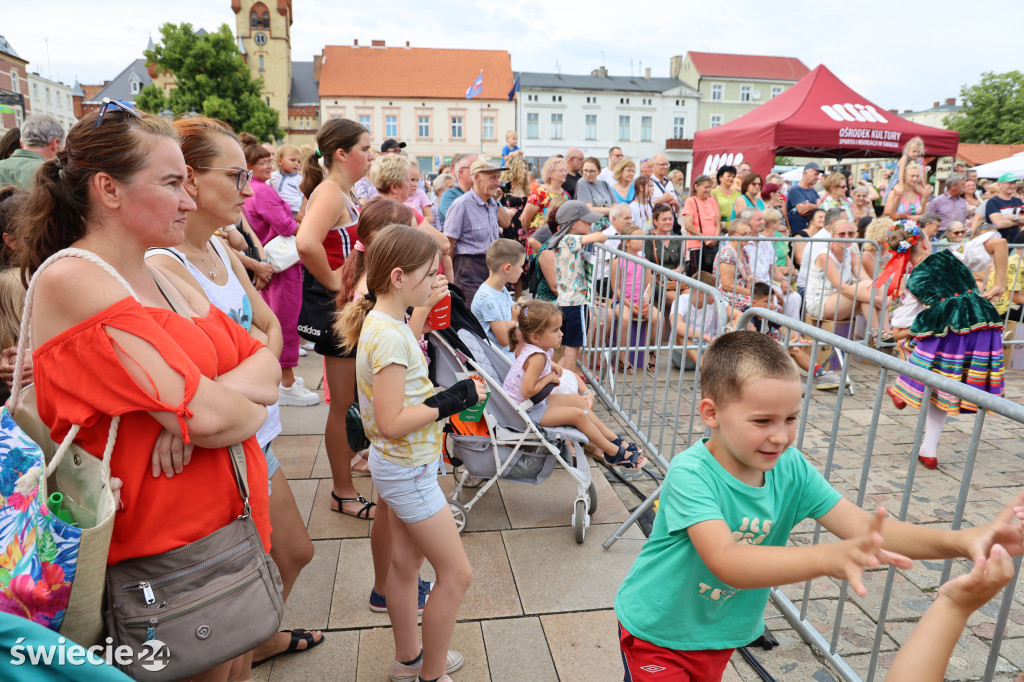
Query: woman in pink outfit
[271,216]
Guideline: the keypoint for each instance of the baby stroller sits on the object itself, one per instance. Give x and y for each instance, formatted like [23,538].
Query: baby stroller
[514,448]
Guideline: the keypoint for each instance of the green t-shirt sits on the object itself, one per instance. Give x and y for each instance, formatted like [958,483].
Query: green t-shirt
[669,597]
[724,206]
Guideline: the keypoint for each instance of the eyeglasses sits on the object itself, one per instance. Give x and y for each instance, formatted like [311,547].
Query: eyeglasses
[588,171]
[957,232]
[116,105]
[242,177]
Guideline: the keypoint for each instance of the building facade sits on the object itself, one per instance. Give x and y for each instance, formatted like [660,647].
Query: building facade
[125,86]
[418,96]
[13,82]
[936,116]
[731,85]
[52,97]
[644,116]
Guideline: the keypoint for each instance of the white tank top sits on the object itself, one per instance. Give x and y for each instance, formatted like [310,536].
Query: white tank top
[232,300]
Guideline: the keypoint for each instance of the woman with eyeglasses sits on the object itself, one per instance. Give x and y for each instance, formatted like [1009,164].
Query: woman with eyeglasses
[219,181]
[270,216]
[182,383]
[750,195]
[594,192]
[835,195]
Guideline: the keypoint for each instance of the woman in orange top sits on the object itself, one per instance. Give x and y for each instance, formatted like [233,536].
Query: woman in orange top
[178,383]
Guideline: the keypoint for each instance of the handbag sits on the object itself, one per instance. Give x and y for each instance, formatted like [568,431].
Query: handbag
[316,316]
[56,561]
[354,430]
[199,604]
[282,252]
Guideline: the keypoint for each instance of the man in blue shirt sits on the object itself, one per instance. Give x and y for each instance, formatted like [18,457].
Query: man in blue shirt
[463,183]
[803,199]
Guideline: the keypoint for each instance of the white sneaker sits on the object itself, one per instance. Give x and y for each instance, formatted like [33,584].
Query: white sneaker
[826,381]
[297,394]
[307,345]
[409,673]
[302,352]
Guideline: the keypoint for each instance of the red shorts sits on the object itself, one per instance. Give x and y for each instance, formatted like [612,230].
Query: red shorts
[646,662]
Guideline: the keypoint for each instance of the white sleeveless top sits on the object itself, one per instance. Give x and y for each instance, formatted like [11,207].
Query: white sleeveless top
[232,300]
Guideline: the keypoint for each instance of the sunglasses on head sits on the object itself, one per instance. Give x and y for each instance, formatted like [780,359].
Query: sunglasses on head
[115,105]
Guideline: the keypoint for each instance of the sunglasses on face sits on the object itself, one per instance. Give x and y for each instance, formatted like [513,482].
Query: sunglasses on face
[115,105]
[242,177]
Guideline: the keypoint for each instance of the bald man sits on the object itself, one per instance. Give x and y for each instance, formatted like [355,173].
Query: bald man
[573,165]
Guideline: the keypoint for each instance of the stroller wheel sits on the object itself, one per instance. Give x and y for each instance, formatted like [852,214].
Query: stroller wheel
[592,493]
[580,521]
[460,513]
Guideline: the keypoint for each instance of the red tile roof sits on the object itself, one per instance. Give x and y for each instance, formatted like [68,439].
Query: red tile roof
[418,72]
[748,66]
[977,154]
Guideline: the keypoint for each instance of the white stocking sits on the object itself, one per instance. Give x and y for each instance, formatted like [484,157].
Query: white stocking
[934,422]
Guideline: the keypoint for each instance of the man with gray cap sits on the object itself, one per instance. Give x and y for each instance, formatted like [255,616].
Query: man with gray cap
[803,199]
[42,136]
[473,222]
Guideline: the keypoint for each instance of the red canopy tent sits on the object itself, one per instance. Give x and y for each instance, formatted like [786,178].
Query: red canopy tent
[819,116]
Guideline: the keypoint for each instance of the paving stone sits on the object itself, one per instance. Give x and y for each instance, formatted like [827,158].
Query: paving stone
[969,657]
[334,660]
[554,574]
[377,651]
[297,454]
[301,421]
[351,587]
[487,513]
[584,646]
[517,649]
[325,523]
[309,603]
[551,502]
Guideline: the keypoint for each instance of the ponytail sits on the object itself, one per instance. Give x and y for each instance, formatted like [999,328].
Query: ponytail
[335,134]
[348,322]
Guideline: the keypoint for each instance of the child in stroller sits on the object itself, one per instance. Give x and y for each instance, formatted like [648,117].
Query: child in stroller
[537,334]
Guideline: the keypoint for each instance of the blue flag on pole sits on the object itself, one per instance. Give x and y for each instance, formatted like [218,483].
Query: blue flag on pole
[477,87]
[514,90]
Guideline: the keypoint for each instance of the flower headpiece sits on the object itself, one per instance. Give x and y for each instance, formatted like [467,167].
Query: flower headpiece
[913,236]
[897,266]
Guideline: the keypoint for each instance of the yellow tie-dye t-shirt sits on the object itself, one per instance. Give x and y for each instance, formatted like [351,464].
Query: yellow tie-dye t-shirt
[385,341]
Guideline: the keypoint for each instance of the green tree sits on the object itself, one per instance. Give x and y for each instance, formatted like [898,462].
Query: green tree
[993,110]
[210,78]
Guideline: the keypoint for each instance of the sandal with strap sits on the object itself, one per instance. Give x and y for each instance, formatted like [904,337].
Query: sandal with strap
[626,368]
[298,635]
[630,447]
[363,513]
[626,458]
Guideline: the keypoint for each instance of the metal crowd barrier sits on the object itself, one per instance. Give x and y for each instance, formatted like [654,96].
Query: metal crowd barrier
[796,613]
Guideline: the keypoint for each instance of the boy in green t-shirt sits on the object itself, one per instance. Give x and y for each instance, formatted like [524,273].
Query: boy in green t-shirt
[700,586]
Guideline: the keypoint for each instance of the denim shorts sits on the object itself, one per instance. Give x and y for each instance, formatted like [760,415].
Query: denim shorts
[412,492]
[273,464]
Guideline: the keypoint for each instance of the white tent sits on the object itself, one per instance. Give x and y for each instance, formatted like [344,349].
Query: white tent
[1013,164]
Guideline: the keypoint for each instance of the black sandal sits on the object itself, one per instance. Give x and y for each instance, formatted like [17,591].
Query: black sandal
[298,635]
[624,460]
[363,513]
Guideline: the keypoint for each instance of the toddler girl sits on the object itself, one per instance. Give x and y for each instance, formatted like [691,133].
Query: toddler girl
[537,334]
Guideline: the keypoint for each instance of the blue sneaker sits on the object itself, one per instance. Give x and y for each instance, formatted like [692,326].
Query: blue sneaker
[378,604]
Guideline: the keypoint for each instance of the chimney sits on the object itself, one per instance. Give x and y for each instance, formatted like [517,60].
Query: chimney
[355,43]
[908,111]
[894,111]
[647,73]
[376,43]
[935,106]
[951,101]
[675,66]
[318,63]
[600,71]
[407,46]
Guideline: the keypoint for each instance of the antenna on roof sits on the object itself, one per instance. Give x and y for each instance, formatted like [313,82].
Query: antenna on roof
[558,67]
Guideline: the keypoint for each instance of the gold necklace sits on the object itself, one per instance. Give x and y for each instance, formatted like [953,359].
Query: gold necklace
[210,262]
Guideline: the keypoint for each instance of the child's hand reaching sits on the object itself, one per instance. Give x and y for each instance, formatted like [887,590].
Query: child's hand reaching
[973,590]
[1007,529]
[862,552]
[481,388]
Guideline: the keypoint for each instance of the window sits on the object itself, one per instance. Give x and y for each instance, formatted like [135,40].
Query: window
[716,92]
[15,86]
[261,62]
[744,93]
[556,126]
[556,98]
[489,128]
[716,120]
[49,100]
[623,100]
[679,128]
[646,128]
[35,91]
[624,127]
[590,127]
[423,126]
[364,120]
[776,91]
[67,100]
[533,126]
[391,126]
[259,17]
[591,100]
[268,100]
[456,127]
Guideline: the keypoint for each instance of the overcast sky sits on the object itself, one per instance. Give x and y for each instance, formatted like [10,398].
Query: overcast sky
[899,55]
